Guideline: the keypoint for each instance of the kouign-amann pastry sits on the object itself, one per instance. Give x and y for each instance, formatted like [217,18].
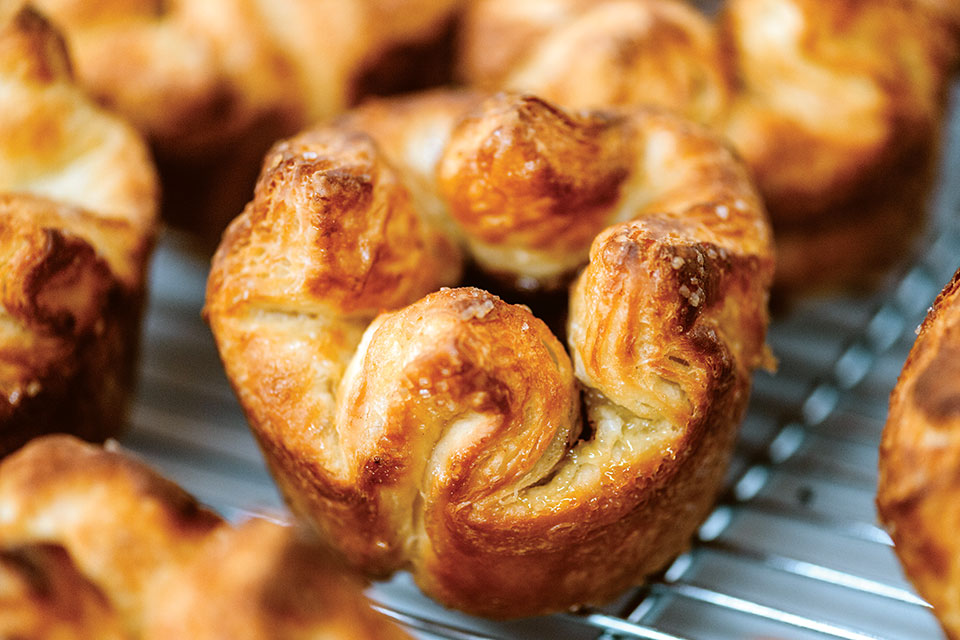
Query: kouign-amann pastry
[213,84]
[837,107]
[95,544]
[449,432]
[78,199]
[920,461]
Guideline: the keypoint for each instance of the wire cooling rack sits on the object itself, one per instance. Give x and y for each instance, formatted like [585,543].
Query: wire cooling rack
[792,551]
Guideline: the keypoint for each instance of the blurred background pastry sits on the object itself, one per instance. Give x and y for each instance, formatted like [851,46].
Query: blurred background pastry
[920,461]
[837,107]
[213,84]
[78,202]
[93,543]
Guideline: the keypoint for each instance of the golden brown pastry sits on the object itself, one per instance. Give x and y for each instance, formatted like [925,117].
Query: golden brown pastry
[149,562]
[920,461]
[213,84]
[78,202]
[449,432]
[835,106]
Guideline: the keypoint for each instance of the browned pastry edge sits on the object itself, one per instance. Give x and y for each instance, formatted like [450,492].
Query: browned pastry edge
[920,461]
[443,436]
[533,175]
[99,545]
[121,523]
[264,581]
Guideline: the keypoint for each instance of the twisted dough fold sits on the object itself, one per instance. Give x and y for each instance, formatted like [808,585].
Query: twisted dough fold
[104,547]
[835,106]
[452,433]
[920,460]
[78,200]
